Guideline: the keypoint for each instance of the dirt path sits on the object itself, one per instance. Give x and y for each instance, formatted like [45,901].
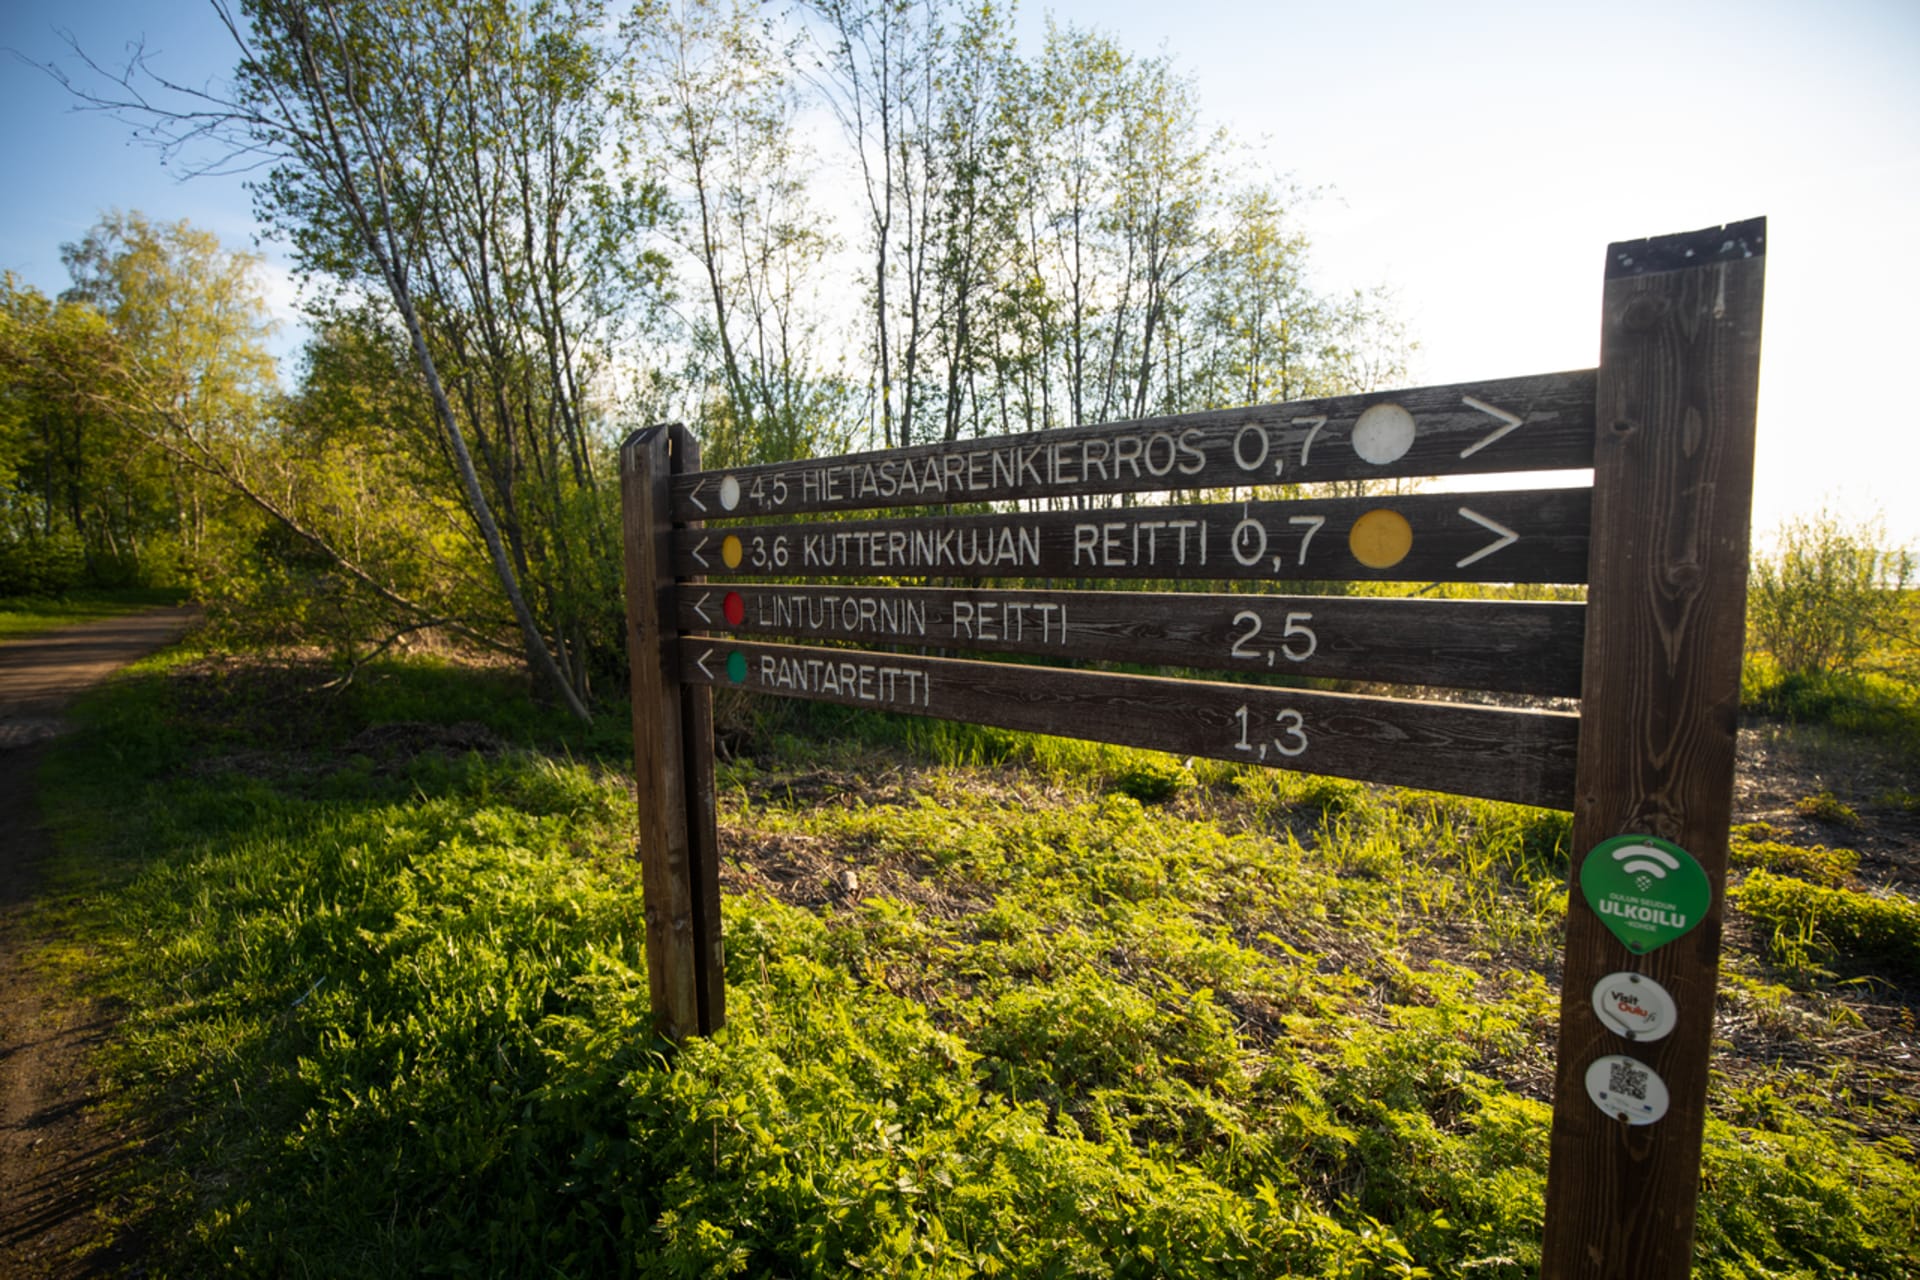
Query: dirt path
[56,1154]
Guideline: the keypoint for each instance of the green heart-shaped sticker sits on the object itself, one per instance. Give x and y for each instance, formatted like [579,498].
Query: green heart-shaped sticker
[1648,891]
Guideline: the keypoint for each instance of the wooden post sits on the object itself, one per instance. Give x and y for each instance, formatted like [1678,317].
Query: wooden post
[672,753]
[1673,470]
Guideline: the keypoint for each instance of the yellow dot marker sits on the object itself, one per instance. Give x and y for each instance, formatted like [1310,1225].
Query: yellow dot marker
[730,551]
[1380,539]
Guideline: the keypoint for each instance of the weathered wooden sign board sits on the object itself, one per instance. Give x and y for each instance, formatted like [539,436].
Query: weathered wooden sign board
[730,585]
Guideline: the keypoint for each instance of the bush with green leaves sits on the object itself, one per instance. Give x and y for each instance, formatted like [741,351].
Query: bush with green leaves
[41,564]
[1830,594]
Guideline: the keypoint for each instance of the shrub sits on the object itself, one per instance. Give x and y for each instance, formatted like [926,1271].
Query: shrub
[39,565]
[1152,779]
[1829,595]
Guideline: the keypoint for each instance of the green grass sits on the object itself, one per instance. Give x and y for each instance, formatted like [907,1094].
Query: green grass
[1092,1012]
[1809,921]
[1874,705]
[22,616]
[1757,845]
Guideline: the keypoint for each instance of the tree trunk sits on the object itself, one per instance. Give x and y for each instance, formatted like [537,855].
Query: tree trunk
[380,239]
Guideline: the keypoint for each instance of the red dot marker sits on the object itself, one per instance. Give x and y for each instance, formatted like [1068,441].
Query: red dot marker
[735,608]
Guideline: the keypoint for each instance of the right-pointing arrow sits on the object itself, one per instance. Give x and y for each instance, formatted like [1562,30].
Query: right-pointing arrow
[1506,539]
[701,662]
[1508,422]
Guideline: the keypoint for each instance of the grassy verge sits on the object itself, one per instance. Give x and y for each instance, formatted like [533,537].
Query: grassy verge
[1879,705]
[22,616]
[999,1006]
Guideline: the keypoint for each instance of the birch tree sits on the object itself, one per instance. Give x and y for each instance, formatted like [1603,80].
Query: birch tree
[445,156]
[879,67]
[715,91]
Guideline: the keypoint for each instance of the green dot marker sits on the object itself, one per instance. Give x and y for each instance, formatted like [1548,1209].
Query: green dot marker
[737,667]
[1646,890]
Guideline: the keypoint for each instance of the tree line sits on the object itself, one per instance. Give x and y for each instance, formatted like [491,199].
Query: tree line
[535,224]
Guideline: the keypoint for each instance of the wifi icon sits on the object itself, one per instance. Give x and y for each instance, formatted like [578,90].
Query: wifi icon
[1645,863]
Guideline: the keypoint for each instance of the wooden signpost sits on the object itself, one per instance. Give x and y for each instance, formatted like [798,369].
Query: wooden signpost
[729,585]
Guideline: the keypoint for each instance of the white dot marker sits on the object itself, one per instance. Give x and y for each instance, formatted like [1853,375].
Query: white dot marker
[1634,1005]
[1627,1089]
[729,493]
[1383,434]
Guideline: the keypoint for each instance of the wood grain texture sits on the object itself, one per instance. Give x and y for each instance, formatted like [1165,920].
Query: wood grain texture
[1511,647]
[1673,481]
[679,916]
[1460,429]
[1452,537]
[701,805]
[1521,756]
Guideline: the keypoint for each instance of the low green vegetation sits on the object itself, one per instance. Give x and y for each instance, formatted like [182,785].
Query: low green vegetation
[1760,845]
[1880,707]
[22,616]
[1813,922]
[1824,806]
[1076,1011]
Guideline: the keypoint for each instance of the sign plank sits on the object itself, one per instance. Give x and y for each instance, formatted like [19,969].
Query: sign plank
[1513,647]
[1539,422]
[1529,535]
[1522,756]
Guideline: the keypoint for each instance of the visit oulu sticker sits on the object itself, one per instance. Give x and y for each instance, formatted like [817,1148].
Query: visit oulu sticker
[1646,890]
[1633,1005]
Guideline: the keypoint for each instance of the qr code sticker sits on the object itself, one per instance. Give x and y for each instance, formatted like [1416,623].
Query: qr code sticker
[1624,1077]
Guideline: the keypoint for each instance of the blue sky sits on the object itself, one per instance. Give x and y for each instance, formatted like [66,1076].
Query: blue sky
[65,166]
[1478,157]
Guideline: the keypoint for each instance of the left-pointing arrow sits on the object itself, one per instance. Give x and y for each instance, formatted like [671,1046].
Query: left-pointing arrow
[698,548]
[1506,539]
[694,497]
[701,662]
[699,606]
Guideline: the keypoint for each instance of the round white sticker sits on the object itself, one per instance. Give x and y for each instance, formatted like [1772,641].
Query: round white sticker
[1634,1005]
[729,493]
[1383,434]
[1627,1089]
